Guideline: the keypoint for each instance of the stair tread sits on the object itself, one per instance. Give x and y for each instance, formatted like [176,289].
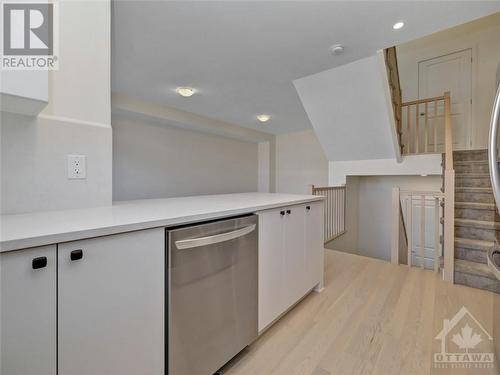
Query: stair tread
[466,162]
[473,268]
[477,223]
[470,175]
[470,189]
[476,205]
[474,244]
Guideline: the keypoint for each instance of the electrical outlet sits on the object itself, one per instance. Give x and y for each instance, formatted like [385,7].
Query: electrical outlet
[77,167]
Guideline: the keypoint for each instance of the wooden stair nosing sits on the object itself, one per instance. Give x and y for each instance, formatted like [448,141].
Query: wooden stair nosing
[477,224]
[476,206]
[474,268]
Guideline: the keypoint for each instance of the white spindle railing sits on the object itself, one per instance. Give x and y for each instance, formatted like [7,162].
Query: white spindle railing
[334,221]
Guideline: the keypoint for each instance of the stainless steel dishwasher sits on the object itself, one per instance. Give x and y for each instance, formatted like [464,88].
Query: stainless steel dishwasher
[212,312]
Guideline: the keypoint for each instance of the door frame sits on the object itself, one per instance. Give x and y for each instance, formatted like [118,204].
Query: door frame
[471,137]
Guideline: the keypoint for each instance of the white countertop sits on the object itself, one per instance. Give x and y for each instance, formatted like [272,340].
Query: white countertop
[49,227]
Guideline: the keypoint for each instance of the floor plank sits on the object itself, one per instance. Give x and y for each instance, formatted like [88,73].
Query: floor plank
[372,318]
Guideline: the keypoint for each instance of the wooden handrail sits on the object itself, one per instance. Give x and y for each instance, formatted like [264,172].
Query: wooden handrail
[391,65]
[448,132]
[315,188]
[422,101]
[449,195]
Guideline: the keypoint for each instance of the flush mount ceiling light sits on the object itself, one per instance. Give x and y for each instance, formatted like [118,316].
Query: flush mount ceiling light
[263,118]
[337,49]
[185,91]
[398,25]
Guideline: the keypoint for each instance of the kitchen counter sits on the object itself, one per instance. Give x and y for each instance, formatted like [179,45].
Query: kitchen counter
[22,231]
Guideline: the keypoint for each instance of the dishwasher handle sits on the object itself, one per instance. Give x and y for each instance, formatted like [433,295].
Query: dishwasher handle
[203,241]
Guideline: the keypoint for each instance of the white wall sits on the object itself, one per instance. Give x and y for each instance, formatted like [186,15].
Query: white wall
[152,160]
[348,110]
[373,213]
[338,171]
[76,121]
[482,37]
[300,162]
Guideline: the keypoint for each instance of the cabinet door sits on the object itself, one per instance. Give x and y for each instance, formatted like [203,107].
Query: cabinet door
[314,246]
[271,266]
[111,305]
[28,312]
[295,269]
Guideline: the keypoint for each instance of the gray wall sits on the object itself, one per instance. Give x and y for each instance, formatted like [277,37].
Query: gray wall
[368,215]
[300,162]
[33,150]
[155,161]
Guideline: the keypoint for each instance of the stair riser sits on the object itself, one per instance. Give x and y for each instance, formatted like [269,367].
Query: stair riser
[474,197]
[472,168]
[476,281]
[473,182]
[474,214]
[475,233]
[473,255]
[471,155]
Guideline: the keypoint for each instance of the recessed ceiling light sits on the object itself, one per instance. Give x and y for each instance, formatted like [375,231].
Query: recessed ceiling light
[398,25]
[424,175]
[185,91]
[263,118]
[337,49]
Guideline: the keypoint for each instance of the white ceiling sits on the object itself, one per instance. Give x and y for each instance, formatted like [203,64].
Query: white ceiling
[242,56]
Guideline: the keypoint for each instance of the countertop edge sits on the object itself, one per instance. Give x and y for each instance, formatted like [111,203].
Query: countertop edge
[61,237]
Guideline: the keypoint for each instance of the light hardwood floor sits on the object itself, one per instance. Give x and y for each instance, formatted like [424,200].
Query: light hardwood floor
[372,318]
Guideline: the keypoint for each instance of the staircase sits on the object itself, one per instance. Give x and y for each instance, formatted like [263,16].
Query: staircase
[477,225]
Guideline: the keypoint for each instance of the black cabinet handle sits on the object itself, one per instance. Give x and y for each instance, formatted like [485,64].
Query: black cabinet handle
[76,254]
[288,212]
[282,213]
[308,208]
[40,262]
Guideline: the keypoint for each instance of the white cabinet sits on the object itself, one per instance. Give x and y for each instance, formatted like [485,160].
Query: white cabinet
[290,257]
[294,255]
[314,251]
[271,266]
[28,312]
[111,304]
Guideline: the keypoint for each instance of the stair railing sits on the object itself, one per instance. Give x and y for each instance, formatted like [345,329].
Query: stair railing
[427,121]
[494,254]
[334,211]
[424,126]
[492,149]
[391,65]
[449,195]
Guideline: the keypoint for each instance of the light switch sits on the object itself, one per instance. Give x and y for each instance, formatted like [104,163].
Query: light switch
[77,167]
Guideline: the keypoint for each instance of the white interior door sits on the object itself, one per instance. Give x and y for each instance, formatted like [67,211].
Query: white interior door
[451,73]
[429,229]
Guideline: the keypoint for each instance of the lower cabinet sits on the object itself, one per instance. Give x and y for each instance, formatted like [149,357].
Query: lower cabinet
[28,303]
[290,257]
[105,295]
[111,304]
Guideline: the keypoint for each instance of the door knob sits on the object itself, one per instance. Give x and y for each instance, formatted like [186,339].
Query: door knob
[282,213]
[288,212]
[76,254]
[308,208]
[39,262]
